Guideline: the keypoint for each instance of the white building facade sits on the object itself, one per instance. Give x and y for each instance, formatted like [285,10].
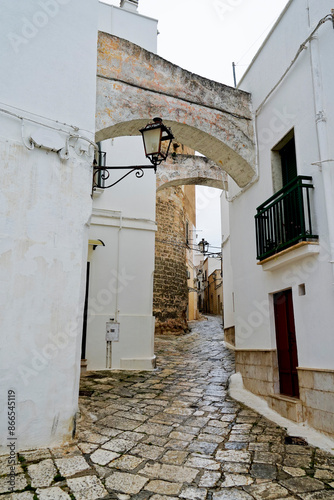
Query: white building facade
[279,277]
[120,276]
[47,125]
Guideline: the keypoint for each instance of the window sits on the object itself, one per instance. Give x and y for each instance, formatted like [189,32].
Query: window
[284,162]
[288,162]
[285,218]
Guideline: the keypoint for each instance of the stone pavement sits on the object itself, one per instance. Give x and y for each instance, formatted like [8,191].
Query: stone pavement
[173,433]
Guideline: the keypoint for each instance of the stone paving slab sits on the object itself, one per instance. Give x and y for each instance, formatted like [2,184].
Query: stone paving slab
[54,493]
[172,433]
[70,466]
[87,488]
[42,473]
[20,483]
[126,483]
[25,495]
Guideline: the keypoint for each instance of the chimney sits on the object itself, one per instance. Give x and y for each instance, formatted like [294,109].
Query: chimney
[131,5]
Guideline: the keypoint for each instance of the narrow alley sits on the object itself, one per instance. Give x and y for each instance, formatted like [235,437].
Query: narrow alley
[174,433]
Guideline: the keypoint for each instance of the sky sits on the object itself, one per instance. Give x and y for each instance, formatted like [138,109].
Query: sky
[205,37]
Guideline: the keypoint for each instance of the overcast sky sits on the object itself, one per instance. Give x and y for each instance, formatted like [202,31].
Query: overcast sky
[205,37]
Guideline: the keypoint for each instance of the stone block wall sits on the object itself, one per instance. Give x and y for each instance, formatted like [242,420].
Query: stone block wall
[170,290]
[317,395]
[229,335]
[259,371]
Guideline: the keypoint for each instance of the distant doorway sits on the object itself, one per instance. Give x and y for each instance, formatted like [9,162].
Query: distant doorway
[286,343]
[84,326]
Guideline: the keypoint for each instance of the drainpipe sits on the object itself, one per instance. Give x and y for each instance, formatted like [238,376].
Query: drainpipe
[118,259]
[325,163]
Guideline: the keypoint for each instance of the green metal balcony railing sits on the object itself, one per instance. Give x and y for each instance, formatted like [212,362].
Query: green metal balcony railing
[285,218]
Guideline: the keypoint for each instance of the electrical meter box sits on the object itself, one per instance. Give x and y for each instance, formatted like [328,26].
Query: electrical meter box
[112,331]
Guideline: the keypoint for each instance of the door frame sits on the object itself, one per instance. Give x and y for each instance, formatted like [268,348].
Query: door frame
[291,338]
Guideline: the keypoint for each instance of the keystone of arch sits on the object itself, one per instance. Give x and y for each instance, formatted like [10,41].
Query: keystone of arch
[134,85]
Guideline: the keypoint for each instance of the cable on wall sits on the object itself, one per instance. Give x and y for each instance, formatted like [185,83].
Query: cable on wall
[328,17]
[62,153]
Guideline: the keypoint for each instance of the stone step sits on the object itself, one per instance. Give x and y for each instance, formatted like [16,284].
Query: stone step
[288,407]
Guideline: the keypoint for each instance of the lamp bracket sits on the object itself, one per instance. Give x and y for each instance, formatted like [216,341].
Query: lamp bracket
[102,174]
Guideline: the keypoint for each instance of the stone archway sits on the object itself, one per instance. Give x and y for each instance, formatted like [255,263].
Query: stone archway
[173,291]
[183,169]
[134,85]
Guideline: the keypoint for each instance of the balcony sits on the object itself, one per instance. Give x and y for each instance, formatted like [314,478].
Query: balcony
[285,219]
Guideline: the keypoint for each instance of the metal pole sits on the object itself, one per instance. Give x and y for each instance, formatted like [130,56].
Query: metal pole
[234,75]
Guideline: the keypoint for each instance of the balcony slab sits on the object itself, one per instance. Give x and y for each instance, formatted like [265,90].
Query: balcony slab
[285,257]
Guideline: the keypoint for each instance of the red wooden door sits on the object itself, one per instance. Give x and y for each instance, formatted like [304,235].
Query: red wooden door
[286,343]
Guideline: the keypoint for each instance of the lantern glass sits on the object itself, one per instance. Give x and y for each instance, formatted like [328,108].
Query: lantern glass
[154,134]
[152,141]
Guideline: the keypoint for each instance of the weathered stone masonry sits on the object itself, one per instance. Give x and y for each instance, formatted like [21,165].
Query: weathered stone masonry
[134,85]
[170,292]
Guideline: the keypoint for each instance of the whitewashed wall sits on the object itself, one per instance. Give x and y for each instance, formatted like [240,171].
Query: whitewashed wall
[227,268]
[121,273]
[129,24]
[48,48]
[292,105]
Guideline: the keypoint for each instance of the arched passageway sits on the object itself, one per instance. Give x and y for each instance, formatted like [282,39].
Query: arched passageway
[134,85]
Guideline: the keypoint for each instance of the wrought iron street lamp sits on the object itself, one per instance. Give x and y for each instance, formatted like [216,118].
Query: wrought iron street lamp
[157,139]
[203,246]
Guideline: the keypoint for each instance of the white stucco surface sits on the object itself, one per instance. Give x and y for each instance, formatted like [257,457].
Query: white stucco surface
[293,105]
[48,50]
[129,24]
[121,273]
[227,268]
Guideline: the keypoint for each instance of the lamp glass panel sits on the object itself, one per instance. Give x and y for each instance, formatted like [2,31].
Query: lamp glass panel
[152,141]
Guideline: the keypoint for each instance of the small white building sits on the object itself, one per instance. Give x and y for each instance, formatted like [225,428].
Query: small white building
[47,128]
[120,271]
[279,273]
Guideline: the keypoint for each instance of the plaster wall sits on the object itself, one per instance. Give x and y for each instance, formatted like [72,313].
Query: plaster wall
[286,108]
[130,25]
[48,50]
[210,265]
[213,293]
[121,273]
[121,290]
[45,209]
[228,289]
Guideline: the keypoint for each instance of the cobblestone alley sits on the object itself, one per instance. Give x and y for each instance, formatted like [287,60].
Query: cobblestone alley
[173,433]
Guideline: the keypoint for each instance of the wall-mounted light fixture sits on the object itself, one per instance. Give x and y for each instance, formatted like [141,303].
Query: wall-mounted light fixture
[96,243]
[157,139]
[203,246]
